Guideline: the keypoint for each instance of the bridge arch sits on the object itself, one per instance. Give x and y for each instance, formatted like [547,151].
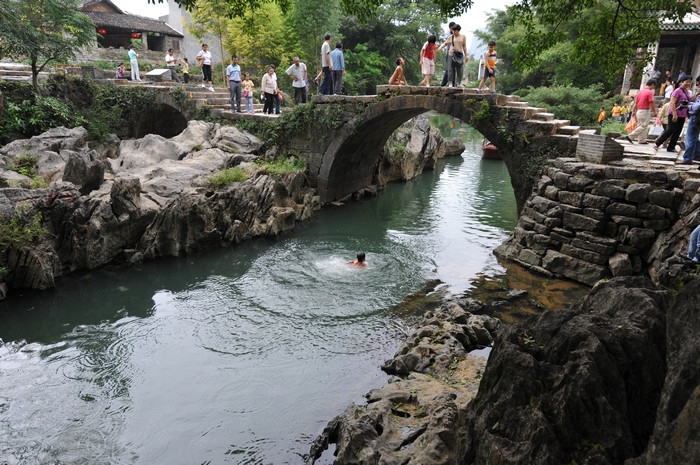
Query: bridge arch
[524,134]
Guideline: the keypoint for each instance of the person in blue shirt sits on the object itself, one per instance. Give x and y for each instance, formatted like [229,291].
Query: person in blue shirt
[133,62]
[233,83]
[338,61]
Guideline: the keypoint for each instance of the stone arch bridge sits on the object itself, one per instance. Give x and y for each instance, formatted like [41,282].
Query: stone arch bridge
[344,160]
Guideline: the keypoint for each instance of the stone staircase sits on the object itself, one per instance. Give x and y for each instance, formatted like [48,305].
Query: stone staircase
[19,72]
[545,121]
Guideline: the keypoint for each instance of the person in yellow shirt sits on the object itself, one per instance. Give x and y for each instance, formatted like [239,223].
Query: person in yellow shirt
[615,113]
[601,116]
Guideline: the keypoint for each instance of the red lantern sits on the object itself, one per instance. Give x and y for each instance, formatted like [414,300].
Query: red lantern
[135,35]
[102,31]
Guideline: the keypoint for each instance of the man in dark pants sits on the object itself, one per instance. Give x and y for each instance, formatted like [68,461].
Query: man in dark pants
[326,66]
[233,82]
[447,58]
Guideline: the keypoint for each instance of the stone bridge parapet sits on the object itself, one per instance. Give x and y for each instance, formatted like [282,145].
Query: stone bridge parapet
[343,160]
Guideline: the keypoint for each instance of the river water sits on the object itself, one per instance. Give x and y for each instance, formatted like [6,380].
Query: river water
[241,356]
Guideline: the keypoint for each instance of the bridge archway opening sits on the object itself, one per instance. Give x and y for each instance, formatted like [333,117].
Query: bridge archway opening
[351,159]
[164,120]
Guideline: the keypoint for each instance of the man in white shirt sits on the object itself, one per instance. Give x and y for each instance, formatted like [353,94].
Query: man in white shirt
[298,74]
[326,66]
[171,61]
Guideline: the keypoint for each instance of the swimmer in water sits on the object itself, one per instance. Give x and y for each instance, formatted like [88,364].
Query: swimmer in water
[360,261]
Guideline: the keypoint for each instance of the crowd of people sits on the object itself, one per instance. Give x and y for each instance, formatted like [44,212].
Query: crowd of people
[330,77]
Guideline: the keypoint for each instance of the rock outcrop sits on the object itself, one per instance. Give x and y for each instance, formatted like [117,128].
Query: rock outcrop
[155,201]
[414,147]
[412,419]
[613,380]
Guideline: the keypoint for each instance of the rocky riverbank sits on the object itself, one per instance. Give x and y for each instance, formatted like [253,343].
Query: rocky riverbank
[151,197]
[612,380]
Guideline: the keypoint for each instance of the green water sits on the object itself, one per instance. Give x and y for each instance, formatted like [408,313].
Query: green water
[241,355]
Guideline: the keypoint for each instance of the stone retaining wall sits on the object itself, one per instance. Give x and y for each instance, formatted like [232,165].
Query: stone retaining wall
[588,221]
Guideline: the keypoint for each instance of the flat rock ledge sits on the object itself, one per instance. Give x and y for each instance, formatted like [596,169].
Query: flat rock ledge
[613,380]
[411,419]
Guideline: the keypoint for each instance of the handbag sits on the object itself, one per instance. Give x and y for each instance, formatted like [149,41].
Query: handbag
[245,93]
[632,125]
[457,57]
[656,131]
[199,62]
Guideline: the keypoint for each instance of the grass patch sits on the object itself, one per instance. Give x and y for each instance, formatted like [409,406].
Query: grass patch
[282,165]
[227,176]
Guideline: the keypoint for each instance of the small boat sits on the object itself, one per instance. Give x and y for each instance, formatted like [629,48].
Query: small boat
[490,151]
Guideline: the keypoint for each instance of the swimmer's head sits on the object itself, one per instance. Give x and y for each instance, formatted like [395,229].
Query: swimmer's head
[361,257]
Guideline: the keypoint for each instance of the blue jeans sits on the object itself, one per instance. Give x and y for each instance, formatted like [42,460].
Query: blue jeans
[694,247]
[235,93]
[692,148]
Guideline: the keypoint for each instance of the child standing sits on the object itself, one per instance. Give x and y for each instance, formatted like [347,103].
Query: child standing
[490,57]
[616,112]
[248,90]
[185,70]
[601,116]
[427,59]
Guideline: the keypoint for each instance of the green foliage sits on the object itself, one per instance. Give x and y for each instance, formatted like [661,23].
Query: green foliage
[603,33]
[17,231]
[282,165]
[49,31]
[581,106]
[363,9]
[26,165]
[553,66]
[483,113]
[367,69]
[226,177]
[101,109]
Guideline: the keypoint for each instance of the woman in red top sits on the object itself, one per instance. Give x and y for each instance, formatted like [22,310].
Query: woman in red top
[427,59]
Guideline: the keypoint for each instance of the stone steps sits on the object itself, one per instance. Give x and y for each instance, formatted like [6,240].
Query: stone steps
[568,130]
[543,116]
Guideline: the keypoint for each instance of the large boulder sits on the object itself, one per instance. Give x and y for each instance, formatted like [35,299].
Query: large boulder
[84,169]
[576,386]
[676,436]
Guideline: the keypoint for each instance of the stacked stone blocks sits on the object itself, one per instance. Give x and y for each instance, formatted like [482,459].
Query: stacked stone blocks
[588,222]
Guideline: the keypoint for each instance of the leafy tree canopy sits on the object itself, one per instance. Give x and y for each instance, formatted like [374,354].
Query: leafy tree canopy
[363,9]
[47,30]
[607,33]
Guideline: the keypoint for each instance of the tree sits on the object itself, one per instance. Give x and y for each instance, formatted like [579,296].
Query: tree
[208,18]
[47,31]
[609,34]
[363,9]
[310,20]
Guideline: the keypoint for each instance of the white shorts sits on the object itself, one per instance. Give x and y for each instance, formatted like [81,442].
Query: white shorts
[428,66]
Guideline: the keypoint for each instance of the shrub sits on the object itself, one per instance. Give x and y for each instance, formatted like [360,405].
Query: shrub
[18,231]
[581,106]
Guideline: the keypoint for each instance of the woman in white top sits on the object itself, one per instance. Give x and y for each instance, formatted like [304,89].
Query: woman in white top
[269,88]
[204,56]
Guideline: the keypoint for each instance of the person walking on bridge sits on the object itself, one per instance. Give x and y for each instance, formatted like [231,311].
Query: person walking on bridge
[171,61]
[338,61]
[297,72]
[645,107]
[458,56]
[233,82]
[326,65]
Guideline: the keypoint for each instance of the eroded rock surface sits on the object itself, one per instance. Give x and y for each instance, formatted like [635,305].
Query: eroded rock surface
[156,201]
[613,380]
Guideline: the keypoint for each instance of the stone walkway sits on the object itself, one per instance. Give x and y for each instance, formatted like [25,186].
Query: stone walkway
[640,155]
